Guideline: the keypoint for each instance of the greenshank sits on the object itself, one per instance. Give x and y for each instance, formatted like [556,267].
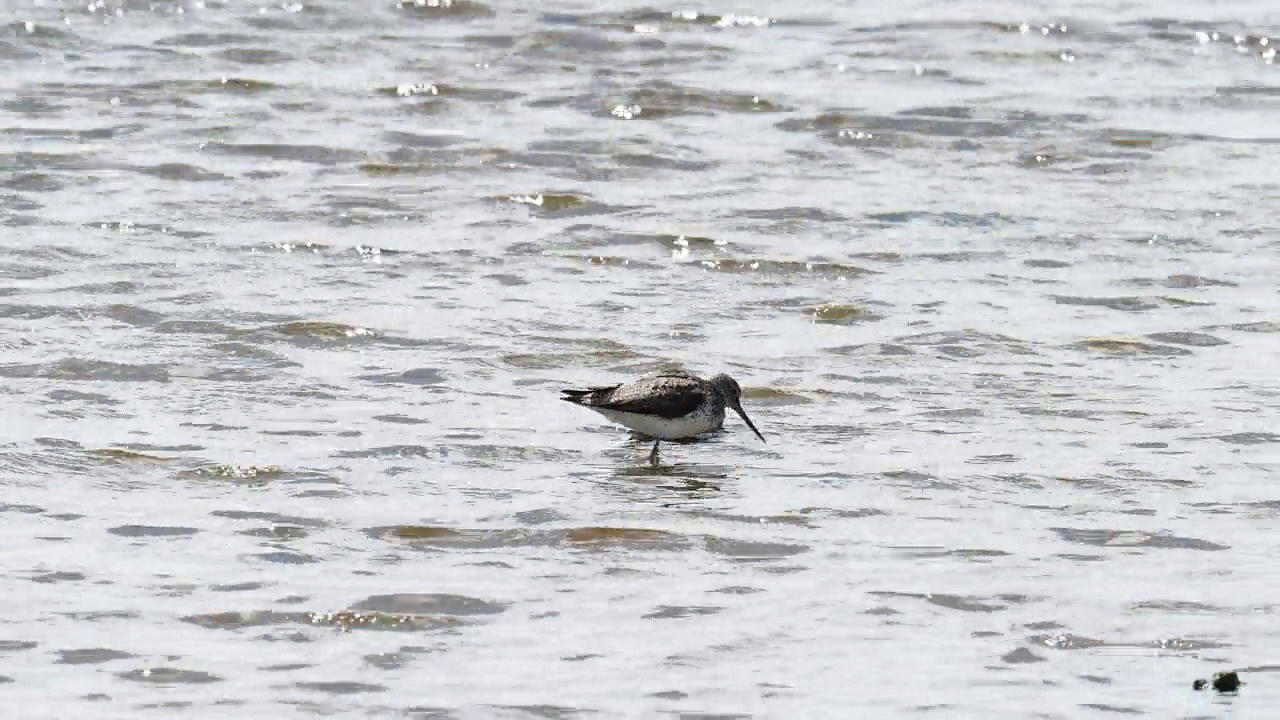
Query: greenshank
[666,406]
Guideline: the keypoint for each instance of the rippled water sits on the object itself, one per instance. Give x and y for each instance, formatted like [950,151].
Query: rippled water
[287,291]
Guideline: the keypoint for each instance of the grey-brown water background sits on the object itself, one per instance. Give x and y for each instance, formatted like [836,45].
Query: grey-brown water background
[287,291]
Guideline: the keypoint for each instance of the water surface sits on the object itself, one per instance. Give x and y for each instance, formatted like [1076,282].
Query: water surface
[287,291]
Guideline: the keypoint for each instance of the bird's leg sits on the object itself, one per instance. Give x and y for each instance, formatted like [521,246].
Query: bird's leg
[653,456]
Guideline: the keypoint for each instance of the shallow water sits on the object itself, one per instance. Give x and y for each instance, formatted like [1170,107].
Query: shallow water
[287,292]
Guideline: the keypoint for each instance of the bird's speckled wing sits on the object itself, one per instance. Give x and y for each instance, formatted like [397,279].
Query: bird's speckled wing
[667,395]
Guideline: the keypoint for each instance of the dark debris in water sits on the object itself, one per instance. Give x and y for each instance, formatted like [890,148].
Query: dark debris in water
[1223,682]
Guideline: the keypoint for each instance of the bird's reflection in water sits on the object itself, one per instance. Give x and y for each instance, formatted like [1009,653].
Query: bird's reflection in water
[689,473]
[630,474]
[624,470]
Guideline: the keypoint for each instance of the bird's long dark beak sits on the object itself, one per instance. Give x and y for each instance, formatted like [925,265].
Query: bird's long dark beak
[738,409]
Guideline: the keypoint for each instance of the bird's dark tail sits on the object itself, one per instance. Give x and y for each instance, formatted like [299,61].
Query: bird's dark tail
[574,396]
[587,397]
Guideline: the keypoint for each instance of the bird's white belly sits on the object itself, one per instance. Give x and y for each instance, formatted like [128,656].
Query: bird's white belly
[665,428]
